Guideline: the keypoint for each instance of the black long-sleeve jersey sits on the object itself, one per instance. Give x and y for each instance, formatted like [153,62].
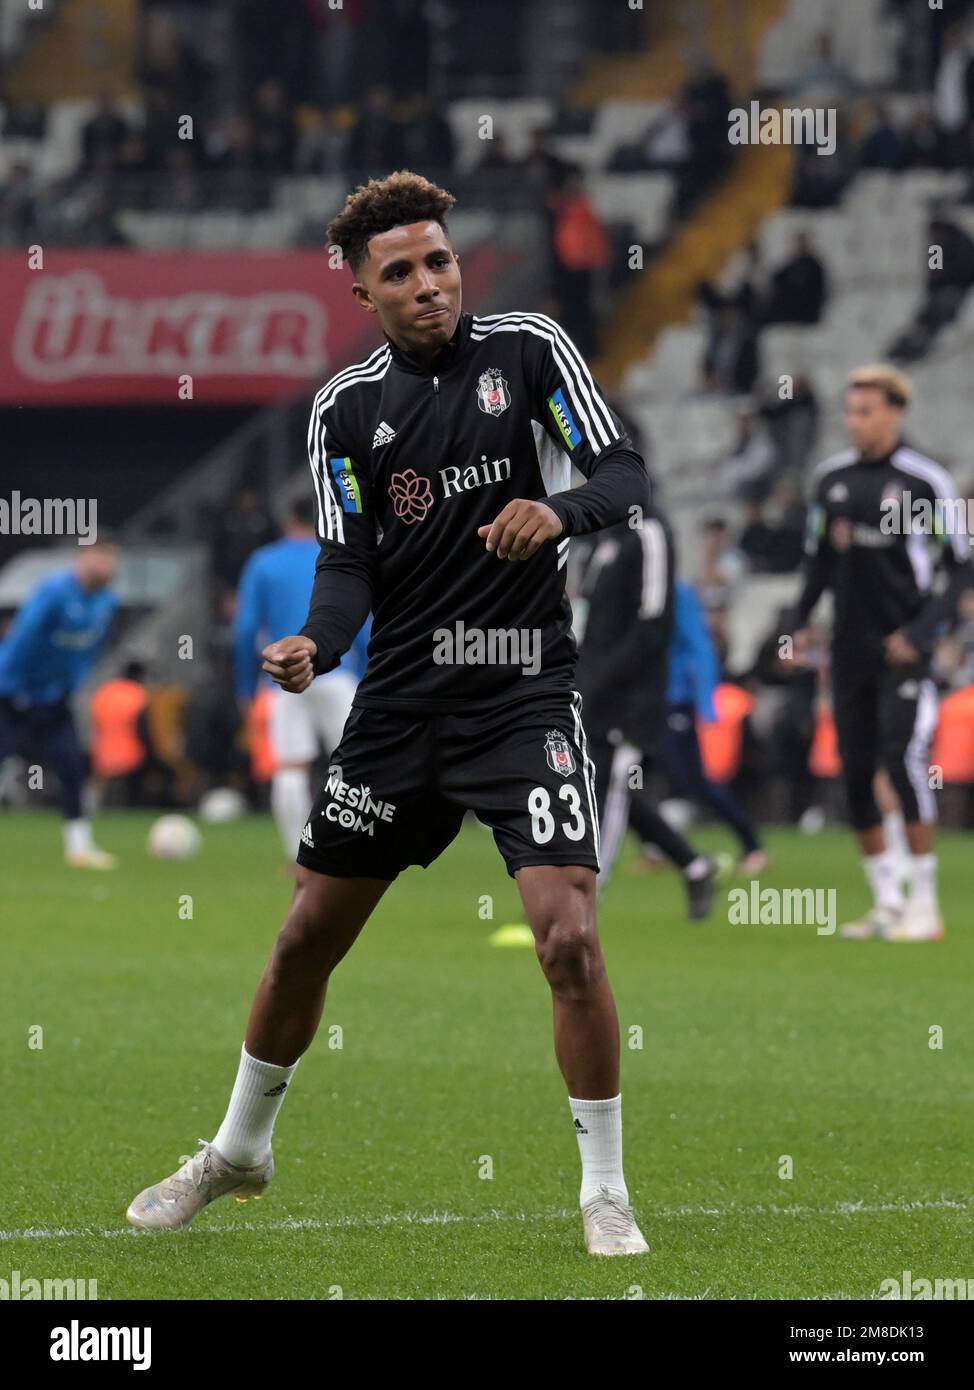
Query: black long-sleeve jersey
[865,541]
[627,584]
[408,461]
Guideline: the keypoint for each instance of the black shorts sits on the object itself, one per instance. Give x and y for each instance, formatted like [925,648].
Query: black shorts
[885,716]
[399,784]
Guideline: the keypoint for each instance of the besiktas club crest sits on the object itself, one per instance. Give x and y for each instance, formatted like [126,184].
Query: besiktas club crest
[493,395]
[558,751]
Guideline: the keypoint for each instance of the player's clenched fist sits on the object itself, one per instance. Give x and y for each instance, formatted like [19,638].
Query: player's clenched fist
[291,662]
[520,529]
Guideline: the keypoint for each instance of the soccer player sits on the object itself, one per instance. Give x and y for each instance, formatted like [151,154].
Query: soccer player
[442,467]
[272,601]
[694,672]
[53,642]
[627,589]
[890,606]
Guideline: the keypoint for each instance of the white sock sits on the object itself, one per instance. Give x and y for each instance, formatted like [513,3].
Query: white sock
[697,868]
[884,879]
[598,1128]
[77,836]
[924,893]
[894,833]
[244,1138]
[291,805]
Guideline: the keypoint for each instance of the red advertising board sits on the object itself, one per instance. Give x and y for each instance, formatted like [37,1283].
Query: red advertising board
[123,327]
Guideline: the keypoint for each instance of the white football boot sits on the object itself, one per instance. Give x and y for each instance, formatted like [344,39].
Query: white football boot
[610,1226]
[172,1203]
[917,924]
[878,922]
[92,858]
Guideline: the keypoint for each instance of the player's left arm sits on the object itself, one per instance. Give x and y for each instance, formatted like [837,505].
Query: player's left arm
[953,575]
[566,400]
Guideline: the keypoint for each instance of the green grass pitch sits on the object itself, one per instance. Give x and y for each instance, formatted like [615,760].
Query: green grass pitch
[757,1042]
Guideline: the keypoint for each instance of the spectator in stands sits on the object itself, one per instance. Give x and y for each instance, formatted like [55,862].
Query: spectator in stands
[820,182]
[103,136]
[541,167]
[171,65]
[322,143]
[825,80]
[664,145]
[98,226]
[797,291]
[427,140]
[275,129]
[243,526]
[706,102]
[751,458]
[922,144]
[949,279]
[730,363]
[792,423]
[953,95]
[497,157]
[881,144]
[721,565]
[771,537]
[18,206]
[582,249]
[375,142]
[740,283]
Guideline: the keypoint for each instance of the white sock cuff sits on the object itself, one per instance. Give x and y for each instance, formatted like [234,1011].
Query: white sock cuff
[596,1107]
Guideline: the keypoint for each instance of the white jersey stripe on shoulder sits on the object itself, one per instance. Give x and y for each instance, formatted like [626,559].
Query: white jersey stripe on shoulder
[923,467]
[367,371]
[567,376]
[585,379]
[334,528]
[353,369]
[839,460]
[945,489]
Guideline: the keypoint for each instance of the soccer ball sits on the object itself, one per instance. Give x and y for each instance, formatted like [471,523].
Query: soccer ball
[220,805]
[174,837]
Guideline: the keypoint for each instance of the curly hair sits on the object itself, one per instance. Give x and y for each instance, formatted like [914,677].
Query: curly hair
[375,207]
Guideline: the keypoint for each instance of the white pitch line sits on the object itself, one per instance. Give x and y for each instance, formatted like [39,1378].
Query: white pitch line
[446,1218]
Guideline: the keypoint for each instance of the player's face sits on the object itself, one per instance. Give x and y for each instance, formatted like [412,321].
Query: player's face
[873,425]
[411,279]
[97,565]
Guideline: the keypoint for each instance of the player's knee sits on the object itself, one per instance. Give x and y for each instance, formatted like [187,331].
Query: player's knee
[570,958]
[304,943]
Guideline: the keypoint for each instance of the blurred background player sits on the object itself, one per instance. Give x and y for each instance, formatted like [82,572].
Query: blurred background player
[272,601]
[627,590]
[890,608]
[694,671]
[52,644]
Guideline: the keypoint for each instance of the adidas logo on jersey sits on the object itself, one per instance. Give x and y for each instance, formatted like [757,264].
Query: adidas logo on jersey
[383,435]
[306,836]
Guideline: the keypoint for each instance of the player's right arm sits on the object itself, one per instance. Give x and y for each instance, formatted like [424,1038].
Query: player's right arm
[345,573]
